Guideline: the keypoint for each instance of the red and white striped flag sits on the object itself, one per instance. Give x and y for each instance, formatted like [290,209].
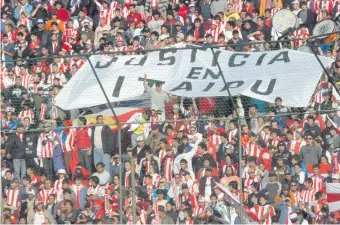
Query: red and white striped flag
[333,196]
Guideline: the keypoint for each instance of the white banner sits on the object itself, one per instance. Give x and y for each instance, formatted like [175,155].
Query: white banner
[291,75]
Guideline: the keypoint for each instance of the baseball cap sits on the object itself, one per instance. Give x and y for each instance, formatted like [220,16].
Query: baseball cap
[140,138]
[40,21]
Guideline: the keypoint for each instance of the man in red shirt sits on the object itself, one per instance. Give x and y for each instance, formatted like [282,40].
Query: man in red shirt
[82,142]
[136,16]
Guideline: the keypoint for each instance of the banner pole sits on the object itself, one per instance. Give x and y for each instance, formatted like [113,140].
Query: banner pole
[119,139]
[323,67]
[239,134]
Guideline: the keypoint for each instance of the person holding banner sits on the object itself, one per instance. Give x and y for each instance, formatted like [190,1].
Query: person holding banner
[158,96]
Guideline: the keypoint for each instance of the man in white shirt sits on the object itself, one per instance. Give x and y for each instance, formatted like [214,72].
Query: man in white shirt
[103,175]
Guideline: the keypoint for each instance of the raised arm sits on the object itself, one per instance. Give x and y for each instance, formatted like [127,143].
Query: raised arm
[145,83]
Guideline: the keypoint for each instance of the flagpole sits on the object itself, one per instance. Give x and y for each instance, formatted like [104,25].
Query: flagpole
[239,129]
[119,139]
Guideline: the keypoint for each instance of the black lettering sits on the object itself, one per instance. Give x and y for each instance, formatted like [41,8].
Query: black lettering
[215,58]
[211,74]
[150,82]
[183,86]
[193,55]
[172,59]
[118,86]
[113,59]
[259,61]
[193,72]
[229,84]
[140,63]
[270,88]
[284,58]
[210,85]
[233,57]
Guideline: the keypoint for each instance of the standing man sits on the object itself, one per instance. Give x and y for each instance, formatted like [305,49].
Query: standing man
[102,142]
[158,96]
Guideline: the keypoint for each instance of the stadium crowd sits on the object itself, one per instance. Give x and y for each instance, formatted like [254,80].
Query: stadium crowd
[69,175]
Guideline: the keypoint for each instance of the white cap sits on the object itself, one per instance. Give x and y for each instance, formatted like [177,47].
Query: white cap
[140,138]
[296,2]
[293,216]
[31,192]
[335,176]
[61,171]
[162,37]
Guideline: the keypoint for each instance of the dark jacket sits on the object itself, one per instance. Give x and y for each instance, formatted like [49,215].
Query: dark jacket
[202,185]
[30,142]
[141,153]
[107,139]
[15,147]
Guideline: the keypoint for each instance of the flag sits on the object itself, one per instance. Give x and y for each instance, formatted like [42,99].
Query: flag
[250,215]
[333,196]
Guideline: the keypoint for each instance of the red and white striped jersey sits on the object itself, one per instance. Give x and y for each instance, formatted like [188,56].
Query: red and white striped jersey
[299,43]
[155,179]
[68,145]
[318,182]
[296,145]
[189,222]
[199,210]
[252,149]
[193,16]
[13,197]
[265,137]
[33,87]
[215,139]
[273,11]
[249,181]
[44,194]
[306,196]
[161,155]
[237,7]
[58,184]
[26,80]
[69,32]
[232,134]
[26,113]
[182,198]
[61,77]
[153,4]
[261,210]
[46,144]
[98,189]
[193,186]
[215,33]
[76,189]
[168,166]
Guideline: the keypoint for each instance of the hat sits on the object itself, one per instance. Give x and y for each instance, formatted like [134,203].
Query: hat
[40,21]
[9,109]
[30,192]
[287,172]
[38,202]
[89,42]
[161,208]
[192,6]
[178,23]
[147,30]
[163,37]
[164,140]
[61,171]
[15,180]
[53,13]
[180,35]
[295,2]
[293,216]
[335,176]
[85,21]
[140,138]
